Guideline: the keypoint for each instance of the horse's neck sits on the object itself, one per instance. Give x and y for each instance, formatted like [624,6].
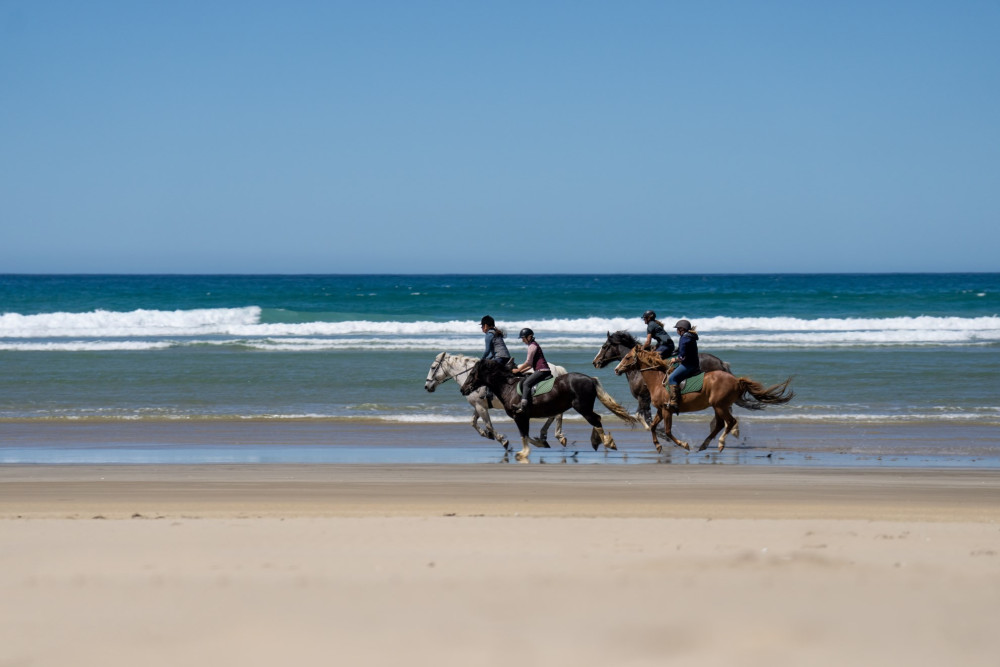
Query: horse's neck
[621,350]
[454,366]
[505,388]
[653,376]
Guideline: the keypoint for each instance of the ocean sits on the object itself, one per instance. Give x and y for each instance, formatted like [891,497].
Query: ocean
[882,349]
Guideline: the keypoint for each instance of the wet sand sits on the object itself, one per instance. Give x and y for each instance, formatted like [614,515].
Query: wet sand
[498,565]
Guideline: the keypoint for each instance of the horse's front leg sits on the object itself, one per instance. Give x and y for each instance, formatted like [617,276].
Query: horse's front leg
[657,418]
[644,413]
[560,436]
[543,435]
[481,412]
[668,425]
[523,425]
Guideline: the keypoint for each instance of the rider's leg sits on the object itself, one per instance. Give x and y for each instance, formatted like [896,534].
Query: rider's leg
[674,387]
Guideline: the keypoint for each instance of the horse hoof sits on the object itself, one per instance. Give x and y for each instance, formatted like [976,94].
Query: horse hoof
[520,456]
[543,443]
[562,440]
[703,448]
[721,446]
[612,445]
[659,449]
[684,445]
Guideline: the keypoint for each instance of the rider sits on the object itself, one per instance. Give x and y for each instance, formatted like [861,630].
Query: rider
[687,361]
[536,362]
[654,329]
[496,348]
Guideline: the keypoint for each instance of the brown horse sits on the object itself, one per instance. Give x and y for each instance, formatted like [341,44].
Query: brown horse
[719,391]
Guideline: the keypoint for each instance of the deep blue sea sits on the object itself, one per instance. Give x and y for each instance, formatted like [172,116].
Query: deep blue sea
[880,349]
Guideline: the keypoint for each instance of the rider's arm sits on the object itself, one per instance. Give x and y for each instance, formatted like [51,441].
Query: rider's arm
[529,362]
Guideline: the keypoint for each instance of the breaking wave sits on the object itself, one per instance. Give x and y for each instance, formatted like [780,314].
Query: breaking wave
[156,329]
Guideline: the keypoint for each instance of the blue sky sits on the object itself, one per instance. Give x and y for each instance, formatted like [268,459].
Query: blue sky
[493,137]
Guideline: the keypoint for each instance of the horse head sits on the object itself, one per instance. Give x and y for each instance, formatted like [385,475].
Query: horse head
[606,354]
[630,361]
[433,375]
[612,348]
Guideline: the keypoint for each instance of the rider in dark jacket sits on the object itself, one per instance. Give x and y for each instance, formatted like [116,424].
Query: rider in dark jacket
[496,348]
[655,330]
[687,362]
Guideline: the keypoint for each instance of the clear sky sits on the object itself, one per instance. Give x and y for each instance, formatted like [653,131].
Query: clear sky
[487,137]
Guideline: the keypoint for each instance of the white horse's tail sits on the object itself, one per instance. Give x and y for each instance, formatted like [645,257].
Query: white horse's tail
[611,404]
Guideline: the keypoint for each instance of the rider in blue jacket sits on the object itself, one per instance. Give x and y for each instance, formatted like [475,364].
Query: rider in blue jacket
[687,362]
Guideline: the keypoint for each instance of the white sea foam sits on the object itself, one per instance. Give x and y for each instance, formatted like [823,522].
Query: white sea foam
[108,330]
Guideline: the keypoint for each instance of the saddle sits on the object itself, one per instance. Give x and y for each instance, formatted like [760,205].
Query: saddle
[689,385]
[542,387]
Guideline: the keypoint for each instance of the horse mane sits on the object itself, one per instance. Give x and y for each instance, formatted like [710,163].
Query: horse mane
[651,358]
[623,338]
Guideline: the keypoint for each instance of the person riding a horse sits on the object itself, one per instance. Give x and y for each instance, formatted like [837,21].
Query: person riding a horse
[686,360]
[654,329]
[539,367]
[496,348]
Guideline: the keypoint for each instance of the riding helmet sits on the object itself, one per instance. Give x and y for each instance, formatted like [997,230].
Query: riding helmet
[487,321]
[683,324]
[648,315]
[525,332]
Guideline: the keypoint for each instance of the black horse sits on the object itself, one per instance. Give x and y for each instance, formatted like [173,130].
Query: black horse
[573,390]
[621,343]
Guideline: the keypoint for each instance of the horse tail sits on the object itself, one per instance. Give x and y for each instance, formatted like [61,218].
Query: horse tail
[611,404]
[753,396]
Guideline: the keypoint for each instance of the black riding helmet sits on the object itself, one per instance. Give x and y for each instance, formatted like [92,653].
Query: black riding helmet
[648,315]
[683,324]
[525,332]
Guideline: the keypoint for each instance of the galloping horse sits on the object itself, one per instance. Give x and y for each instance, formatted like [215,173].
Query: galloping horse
[621,343]
[573,390]
[719,391]
[447,366]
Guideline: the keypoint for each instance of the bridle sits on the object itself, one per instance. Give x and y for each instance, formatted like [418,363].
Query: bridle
[436,366]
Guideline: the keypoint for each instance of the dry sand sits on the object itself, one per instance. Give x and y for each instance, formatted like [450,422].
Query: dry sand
[498,565]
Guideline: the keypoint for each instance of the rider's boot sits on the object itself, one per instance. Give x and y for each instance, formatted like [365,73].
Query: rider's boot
[489,397]
[523,407]
[674,402]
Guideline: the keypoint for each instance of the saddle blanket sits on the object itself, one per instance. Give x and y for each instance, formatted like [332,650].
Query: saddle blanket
[542,387]
[691,384]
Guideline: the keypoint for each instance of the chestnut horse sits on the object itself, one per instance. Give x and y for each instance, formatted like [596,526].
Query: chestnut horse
[618,345]
[719,391]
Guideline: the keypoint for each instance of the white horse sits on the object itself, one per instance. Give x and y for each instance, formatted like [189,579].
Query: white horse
[447,366]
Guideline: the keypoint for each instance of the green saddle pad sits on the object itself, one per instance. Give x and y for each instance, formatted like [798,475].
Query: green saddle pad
[692,384]
[542,387]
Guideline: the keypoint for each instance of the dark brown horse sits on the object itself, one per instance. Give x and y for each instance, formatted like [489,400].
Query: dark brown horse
[621,343]
[719,391]
[573,390]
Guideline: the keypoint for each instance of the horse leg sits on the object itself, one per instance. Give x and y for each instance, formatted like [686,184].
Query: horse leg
[668,425]
[523,423]
[731,426]
[481,412]
[657,418]
[718,421]
[543,435]
[643,412]
[560,436]
[597,435]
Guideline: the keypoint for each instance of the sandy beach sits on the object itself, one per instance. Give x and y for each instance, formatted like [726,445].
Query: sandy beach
[497,565]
